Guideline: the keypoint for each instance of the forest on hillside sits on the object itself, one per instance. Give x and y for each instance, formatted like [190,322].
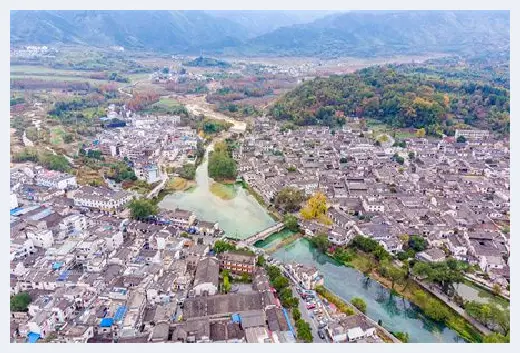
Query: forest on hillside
[435,97]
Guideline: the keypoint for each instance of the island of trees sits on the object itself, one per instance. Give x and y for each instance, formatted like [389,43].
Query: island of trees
[221,165]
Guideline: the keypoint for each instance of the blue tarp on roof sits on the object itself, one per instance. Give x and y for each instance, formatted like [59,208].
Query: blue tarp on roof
[32,337]
[57,265]
[120,313]
[288,321]
[63,276]
[235,318]
[15,210]
[106,322]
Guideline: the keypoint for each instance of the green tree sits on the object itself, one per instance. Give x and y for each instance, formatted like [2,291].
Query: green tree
[296,314]
[220,163]
[289,199]
[226,285]
[222,245]
[187,171]
[280,282]
[436,310]
[273,272]
[417,243]
[260,261]
[142,208]
[291,223]
[401,336]
[304,331]
[461,139]
[359,303]
[20,302]
[321,241]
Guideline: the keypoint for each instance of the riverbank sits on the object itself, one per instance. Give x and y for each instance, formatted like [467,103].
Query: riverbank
[413,292]
[350,310]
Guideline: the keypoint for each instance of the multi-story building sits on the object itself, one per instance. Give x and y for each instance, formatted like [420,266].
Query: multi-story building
[237,262]
[54,179]
[102,199]
[472,134]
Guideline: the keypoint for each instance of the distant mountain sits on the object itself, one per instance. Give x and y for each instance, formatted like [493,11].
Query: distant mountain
[278,33]
[167,31]
[259,22]
[372,33]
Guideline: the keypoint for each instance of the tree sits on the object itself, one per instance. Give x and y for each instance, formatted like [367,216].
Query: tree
[461,139]
[260,261]
[497,290]
[304,331]
[402,336]
[291,223]
[417,243]
[316,208]
[380,253]
[280,282]
[436,310]
[222,245]
[343,160]
[273,272]
[226,285]
[20,302]
[289,199]
[420,132]
[187,171]
[364,243]
[296,314]
[359,303]
[396,275]
[321,241]
[142,208]
[220,163]
[411,155]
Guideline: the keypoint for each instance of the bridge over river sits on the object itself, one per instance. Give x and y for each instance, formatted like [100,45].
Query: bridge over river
[262,235]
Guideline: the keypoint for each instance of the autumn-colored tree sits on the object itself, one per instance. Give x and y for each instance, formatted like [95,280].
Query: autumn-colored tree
[420,132]
[316,208]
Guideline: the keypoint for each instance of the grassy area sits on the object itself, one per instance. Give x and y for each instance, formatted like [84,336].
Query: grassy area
[253,193]
[179,184]
[340,304]
[56,137]
[486,294]
[224,191]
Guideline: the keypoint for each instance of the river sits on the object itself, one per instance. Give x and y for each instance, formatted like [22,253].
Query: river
[240,216]
[243,216]
[397,313]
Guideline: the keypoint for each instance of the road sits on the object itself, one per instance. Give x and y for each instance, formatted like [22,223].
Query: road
[308,315]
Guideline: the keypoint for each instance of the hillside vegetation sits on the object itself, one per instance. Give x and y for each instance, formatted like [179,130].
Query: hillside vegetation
[400,96]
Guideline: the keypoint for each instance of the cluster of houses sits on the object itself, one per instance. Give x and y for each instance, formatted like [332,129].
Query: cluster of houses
[97,277]
[150,143]
[456,195]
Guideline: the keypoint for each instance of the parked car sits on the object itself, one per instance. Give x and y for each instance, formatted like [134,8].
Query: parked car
[322,324]
[321,333]
[310,306]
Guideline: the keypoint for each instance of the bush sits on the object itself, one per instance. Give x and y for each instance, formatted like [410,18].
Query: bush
[296,314]
[142,208]
[20,302]
[360,304]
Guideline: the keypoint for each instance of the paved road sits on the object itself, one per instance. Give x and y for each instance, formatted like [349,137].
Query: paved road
[307,317]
